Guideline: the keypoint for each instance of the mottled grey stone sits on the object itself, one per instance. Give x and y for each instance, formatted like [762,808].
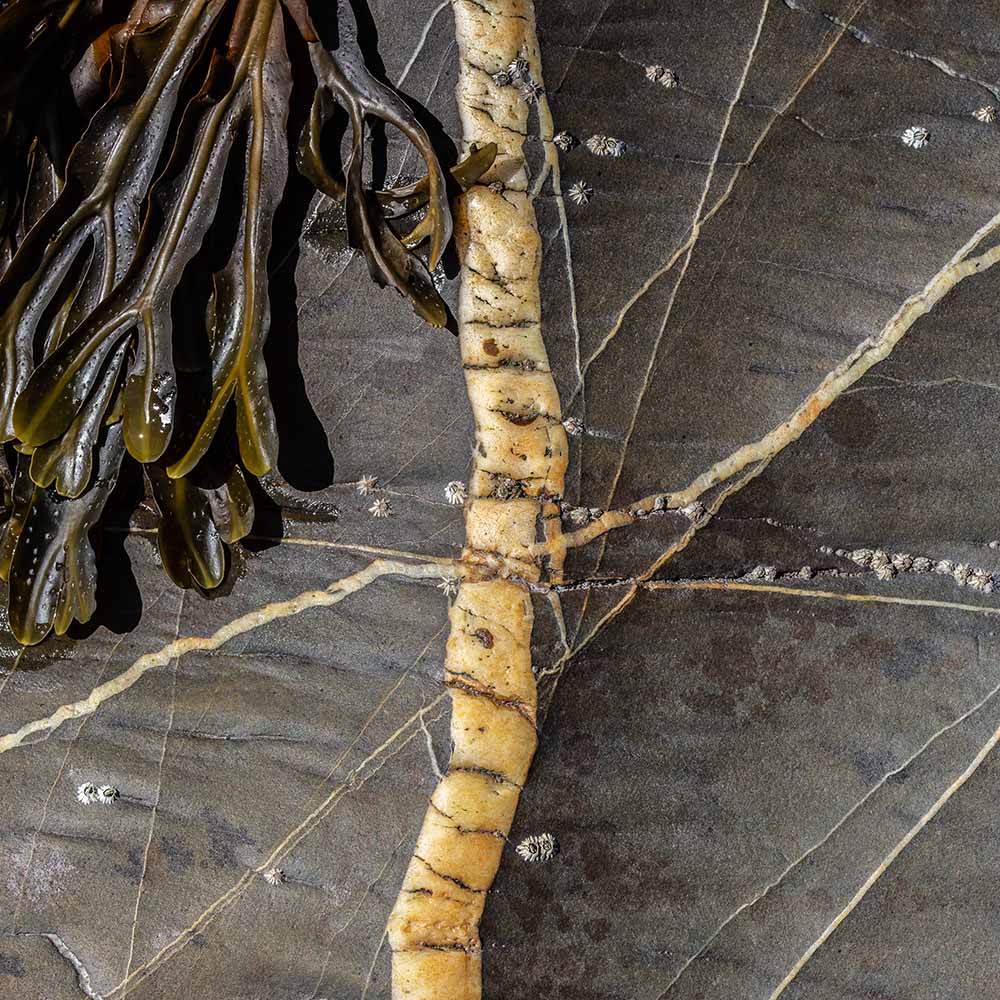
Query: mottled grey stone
[726,771]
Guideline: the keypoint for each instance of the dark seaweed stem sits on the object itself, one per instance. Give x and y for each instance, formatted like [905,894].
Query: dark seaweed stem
[343,78]
[188,112]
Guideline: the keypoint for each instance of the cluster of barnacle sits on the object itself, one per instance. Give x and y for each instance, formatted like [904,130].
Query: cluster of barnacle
[455,493]
[917,136]
[581,515]
[886,565]
[538,847]
[605,145]
[145,151]
[518,74]
[89,792]
[771,573]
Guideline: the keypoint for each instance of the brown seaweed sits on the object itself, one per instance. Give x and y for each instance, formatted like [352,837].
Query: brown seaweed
[175,108]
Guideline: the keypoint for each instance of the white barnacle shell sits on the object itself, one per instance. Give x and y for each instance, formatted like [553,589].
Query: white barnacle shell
[573,426]
[987,114]
[538,847]
[580,193]
[506,488]
[863,557]
[564,141]
[108,794]
[961,574]
[519,69]
[448,586]
[882,566]
[903,561]
[456,493]
[380,508]
[695,512]
[666,78]
[921,564]
[531,91]
[915,136]
[274,876]
[981,580]
[86,793]
[579,515]
[945,567]
[366,484]
[605,145]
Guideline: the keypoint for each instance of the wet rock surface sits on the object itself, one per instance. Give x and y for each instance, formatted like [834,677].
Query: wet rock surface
[768,766]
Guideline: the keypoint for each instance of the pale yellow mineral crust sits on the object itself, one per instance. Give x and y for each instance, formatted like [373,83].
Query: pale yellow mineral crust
[520,464]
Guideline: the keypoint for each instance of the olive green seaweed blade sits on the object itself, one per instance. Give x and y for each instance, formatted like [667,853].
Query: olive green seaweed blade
[344,75]
[62,383]
[409,198]
[188,541]
[47,557]
[67,461]
[109,176]
[389,262]
[242,314]
[196,523]
[309,156]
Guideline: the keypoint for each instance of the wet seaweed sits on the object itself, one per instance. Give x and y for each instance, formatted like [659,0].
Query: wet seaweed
[158,139]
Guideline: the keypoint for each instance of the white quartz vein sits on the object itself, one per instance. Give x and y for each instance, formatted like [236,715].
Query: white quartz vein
[866,39]
[422,41]
[887,861]
[159,789]
[695,231]
[331,595]
[826,837]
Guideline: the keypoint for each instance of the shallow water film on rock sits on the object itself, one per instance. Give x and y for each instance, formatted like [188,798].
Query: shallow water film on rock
[608,615]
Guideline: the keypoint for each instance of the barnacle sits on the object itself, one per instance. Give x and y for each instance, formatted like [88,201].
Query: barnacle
[666,78]
[366,484]
[380,508]
[154,186]
[605,145]
[108,794]
[456,493]
[915,136]
[564,141]
[538,847]
[87,793]
[580,193]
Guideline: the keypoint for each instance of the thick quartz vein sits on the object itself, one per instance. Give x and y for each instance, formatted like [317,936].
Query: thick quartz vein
[517,477]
